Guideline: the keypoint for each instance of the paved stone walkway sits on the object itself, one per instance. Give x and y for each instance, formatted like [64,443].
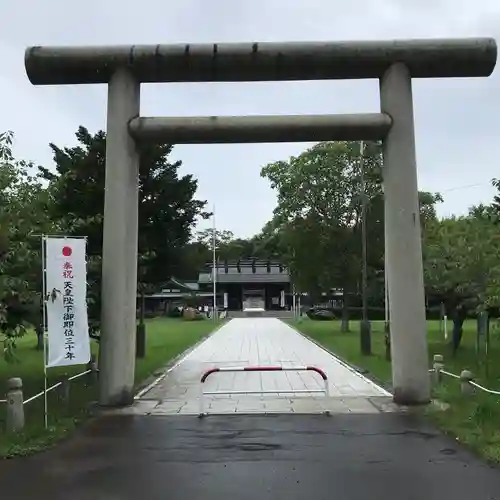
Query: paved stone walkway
[261,341]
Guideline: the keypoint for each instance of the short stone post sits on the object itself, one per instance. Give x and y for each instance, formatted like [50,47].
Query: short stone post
[94,370]
[466,378]
[15,407]
[438,366]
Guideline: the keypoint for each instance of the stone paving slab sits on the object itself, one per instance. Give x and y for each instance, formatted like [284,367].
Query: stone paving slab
[266,405]
[262,342]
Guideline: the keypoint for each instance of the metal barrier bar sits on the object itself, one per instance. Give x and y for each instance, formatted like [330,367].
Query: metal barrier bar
[211,371]
[291,391]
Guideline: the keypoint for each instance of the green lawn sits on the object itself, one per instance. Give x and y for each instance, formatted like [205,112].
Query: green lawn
[472,420]
[166,339]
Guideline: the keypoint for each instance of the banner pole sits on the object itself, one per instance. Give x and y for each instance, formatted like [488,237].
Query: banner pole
[44,320]
[45,412]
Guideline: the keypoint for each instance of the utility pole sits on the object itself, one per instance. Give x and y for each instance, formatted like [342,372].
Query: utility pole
[365,333]
[214,267]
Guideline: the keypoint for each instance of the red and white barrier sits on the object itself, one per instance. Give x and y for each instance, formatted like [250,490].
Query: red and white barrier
[211,371]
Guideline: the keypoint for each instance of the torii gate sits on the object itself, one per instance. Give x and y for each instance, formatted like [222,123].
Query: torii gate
[394,63]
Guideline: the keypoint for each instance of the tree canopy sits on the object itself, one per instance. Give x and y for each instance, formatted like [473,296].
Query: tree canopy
[318,211]
[168,208]
[462,260]
[317,220]
[23,219]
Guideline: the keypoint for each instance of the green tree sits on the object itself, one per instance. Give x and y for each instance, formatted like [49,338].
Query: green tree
[462,264]
[319,213]
[23,218]
[199,251]
[206,238]
[167,208]
[462,260]
[195,257]
[269,244]
[316,226]
[240,249]
[495,205]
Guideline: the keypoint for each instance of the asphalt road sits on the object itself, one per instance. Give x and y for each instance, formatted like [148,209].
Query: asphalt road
[287,457]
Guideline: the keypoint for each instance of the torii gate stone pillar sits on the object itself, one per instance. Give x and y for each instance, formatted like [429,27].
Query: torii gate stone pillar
[394,63]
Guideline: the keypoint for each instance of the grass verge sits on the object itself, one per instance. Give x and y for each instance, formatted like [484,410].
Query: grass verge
[470,419]
[167,338]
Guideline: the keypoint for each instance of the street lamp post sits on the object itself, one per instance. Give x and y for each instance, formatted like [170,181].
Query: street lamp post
[365,333]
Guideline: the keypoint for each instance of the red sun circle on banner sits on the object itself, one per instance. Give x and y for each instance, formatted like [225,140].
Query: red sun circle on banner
[66,251]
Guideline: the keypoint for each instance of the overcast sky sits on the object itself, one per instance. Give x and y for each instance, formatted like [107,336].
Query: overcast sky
[457,121]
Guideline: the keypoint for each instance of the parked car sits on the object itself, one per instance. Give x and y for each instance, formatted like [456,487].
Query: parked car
[320,314]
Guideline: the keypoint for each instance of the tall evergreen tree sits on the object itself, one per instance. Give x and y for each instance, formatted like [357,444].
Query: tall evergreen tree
[168,208]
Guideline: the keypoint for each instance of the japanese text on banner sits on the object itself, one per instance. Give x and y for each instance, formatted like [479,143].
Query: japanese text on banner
[68,316]
[66,290]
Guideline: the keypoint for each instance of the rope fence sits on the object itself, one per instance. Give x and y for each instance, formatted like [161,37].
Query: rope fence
[466,378]
[15,414]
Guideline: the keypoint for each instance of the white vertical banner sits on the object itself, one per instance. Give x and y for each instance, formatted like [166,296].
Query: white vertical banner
[225,300]
[66,300]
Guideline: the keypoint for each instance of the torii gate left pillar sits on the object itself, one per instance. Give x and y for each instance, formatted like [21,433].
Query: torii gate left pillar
[120,242]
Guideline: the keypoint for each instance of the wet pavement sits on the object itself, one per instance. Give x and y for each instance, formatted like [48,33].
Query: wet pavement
[380,456]
[263,342]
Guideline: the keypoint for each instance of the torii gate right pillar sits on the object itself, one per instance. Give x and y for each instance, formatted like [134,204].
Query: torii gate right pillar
[409,354]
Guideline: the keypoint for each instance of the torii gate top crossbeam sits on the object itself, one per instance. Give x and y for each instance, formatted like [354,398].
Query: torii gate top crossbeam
[238,62]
